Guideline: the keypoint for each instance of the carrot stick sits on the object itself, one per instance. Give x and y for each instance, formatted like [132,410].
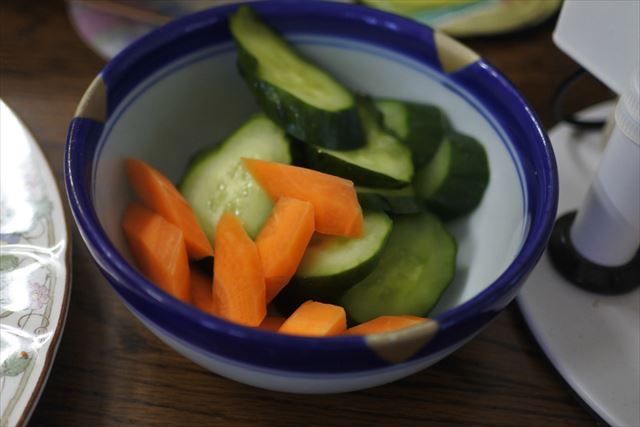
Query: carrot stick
[315,319]
[283,240]
[336,208]
[201,290]
[159,250]
[238,282]
[385,324]
[160,195]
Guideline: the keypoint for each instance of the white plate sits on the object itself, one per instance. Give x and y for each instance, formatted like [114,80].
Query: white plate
[34,272]
[592,340]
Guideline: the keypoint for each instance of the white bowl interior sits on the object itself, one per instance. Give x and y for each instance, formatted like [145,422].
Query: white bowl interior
[200,99]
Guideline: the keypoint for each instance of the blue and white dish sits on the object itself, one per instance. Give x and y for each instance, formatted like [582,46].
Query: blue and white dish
[177,90]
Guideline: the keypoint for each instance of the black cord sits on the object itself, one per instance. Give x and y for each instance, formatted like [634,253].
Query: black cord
[558,105]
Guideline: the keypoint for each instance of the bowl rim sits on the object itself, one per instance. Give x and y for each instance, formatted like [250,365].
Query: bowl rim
[109,259]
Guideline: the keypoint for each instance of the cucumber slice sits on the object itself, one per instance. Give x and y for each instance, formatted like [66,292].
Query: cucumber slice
[384,162]
[217,181]
[455,180]
[415,268]
[333,264]
[420,127]
[397,201]
[303,99]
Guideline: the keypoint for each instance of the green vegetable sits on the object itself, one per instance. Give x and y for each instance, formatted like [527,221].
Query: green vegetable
[331,265]
[384,162]
[419,126]
[455,180]
[396,200]
[416,266]
[300,97]
[217,181]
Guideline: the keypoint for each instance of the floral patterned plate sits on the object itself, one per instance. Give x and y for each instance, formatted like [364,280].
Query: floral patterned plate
[34,270]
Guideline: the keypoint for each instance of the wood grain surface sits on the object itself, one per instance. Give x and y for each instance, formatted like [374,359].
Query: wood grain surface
[110,371]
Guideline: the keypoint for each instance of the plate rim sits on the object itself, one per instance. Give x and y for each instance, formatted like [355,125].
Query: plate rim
[56,337]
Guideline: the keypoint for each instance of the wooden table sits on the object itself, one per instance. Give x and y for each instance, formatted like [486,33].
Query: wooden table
[111,371]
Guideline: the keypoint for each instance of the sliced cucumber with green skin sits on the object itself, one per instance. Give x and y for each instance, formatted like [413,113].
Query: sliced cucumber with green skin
[455,180]
[399,201]
[384,162]
[303,99]
[421,127]
[331,265]
[217,181]
[416,266]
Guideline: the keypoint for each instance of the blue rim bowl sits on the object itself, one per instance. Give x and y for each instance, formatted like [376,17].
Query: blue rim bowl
[291,363]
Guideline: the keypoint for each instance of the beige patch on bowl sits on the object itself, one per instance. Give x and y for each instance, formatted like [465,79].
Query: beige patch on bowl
[93,104]
[452,54]
[398,346]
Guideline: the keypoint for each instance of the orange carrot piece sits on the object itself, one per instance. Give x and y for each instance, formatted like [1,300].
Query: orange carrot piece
[283,240]
[385,324]
[238,282]
[201,290]
[272,323]
[160,195]
[336,208]
[159,250]
[316,319]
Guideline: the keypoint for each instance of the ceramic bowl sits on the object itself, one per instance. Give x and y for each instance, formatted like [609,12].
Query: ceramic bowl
[177,90]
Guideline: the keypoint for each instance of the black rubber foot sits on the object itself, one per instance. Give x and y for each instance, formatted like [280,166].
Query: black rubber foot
[584,273]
